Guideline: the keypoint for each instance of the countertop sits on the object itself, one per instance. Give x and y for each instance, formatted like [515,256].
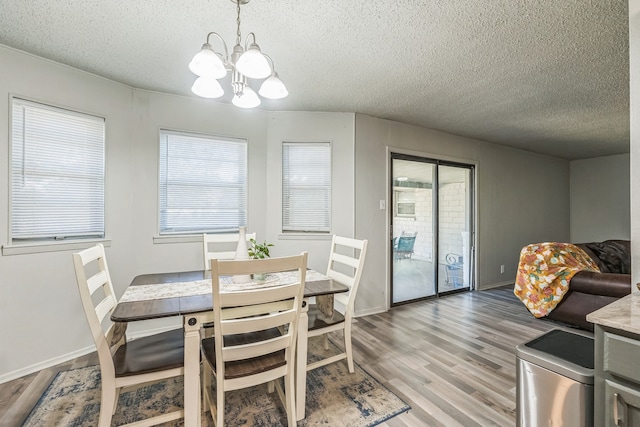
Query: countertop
[623,314]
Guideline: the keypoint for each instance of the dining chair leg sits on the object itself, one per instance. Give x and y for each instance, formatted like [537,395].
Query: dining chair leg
[289,388]
[301,362]
[347,346]
[271,386]
[220,405]
[192,383]
[115,400]
[326,341]
[107,403]
[206,387]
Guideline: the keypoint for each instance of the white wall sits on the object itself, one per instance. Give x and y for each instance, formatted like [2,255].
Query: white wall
[634,90]
[600,203]
[522,198]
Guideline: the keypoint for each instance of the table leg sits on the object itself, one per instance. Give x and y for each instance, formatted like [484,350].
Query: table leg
[301,362]
[192,399]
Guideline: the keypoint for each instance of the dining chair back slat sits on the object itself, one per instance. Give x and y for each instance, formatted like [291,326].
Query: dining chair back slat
[342,278]
[231,312]
[257,321]
[105,307]
[256,297]
[346,260]
[97,280]
[247,351]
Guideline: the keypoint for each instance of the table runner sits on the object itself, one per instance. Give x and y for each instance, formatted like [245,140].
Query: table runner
[203,287]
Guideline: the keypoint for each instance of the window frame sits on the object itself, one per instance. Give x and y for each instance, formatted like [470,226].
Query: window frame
[19,245]
[404,200]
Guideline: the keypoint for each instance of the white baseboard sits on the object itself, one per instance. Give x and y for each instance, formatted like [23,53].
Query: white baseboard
[10,376]
[13,375]
[374,310]
[496,285]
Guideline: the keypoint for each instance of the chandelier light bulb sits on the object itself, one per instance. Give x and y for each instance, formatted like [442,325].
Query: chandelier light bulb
[207,63]
[273,88]
[253,64]
[207,87]
[247,99]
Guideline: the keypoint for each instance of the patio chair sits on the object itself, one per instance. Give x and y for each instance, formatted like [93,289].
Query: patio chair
[403,249]
[453,269]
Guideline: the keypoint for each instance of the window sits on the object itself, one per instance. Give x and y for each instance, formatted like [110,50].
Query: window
[405,204]
[203,183]
[57,173]
[306,187]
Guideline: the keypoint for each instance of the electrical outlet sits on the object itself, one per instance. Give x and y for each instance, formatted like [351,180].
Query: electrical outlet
[383,205]
[502,269]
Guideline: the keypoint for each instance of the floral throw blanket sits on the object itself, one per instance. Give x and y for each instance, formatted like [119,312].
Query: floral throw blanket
[544,272]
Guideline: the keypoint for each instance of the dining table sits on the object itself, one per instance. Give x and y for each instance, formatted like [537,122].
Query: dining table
[189,295]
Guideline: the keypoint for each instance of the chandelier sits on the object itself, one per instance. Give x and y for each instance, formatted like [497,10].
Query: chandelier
[247,62]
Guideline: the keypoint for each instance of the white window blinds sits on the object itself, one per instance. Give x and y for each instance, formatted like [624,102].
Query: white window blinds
[203,183]
[306,187]
[57,173]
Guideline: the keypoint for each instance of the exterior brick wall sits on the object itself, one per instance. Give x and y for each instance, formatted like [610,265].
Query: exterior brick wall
[452,221]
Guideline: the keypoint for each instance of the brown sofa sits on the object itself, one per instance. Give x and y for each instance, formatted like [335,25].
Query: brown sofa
[589,291]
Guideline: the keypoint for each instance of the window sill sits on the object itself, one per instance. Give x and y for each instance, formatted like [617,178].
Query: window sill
[305,236]
[197,238]
[177,238]
[40,247]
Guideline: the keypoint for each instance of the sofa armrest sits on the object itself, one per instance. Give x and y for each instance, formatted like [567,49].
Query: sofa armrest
[608,284]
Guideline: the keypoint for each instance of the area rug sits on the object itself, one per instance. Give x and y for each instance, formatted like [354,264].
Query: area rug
[334,398]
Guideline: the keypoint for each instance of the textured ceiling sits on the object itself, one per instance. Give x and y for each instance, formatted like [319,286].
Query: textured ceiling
[549,76]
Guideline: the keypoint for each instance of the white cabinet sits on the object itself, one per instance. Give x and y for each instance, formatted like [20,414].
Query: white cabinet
[617,378]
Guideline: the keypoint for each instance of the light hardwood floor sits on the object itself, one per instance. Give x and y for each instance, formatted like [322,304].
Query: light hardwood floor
[451,359]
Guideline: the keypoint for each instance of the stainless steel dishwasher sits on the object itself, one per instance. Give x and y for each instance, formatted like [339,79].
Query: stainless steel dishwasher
[554,374]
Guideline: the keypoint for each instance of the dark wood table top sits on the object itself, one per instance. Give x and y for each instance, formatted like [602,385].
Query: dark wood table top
[177,306]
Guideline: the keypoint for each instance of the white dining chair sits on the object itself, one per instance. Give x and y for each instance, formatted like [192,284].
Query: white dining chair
[256,333]
[123,364]
[218,246]
[345,266]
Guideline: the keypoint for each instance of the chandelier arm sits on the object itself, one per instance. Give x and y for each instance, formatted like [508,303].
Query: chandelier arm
[246,41]
[273,67]
[226,52]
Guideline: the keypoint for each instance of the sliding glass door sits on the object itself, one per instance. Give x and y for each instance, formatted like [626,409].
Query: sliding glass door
[432,228]
[454,227]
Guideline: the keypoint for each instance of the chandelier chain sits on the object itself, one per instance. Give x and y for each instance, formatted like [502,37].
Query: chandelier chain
[238,35]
